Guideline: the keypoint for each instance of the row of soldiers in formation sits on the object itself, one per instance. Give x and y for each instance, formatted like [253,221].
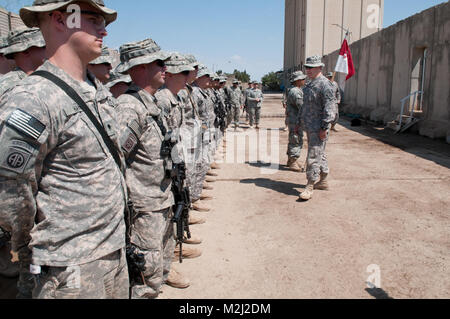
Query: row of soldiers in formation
[87,157]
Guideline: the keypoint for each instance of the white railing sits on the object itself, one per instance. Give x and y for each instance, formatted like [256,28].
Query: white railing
[411,107]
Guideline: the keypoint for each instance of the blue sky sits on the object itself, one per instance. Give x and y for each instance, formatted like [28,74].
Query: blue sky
[224,35]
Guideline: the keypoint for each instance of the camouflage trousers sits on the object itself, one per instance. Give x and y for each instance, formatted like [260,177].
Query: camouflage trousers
[336,120]
[153,235]
[317,161]
[236,110]
[255,115]
[106,278]
[295,145]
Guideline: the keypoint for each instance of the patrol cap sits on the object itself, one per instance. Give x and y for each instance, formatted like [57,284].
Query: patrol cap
[29,15]
[203,71]
[104,58]
[222,79]
[314,62]
[236,82]
[116,77]
[177,64]
[329,75]
[192,60]
[138,53]
[299,75]
[22,39]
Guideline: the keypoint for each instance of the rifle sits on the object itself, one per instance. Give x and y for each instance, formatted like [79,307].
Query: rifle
[136,261]
[5,237]
[182,205]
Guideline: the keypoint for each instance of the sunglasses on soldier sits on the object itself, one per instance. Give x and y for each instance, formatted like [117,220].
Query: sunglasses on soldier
[160,63]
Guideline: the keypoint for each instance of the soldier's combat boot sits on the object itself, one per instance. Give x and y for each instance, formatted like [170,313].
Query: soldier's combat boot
[207,186]
[195,219]
[334,129]
[188,253]
[200,207]
[323,183]
[215,166]
[206,196]
[193,240]
[210,179]
[308,192]
[293,165]
[176,280]
[211,173]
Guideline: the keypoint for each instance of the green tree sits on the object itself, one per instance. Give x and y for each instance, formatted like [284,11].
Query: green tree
[272,81]
[244,77]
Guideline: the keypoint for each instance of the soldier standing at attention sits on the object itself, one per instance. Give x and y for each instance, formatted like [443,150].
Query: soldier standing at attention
[235,101]
[317,114]
[63,190]
[145,137]
[27,48]
[102,66]
[338,100]
[294,105]
[255,99]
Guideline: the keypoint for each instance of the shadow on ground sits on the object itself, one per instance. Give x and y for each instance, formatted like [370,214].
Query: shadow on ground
[437,151]
[278,186]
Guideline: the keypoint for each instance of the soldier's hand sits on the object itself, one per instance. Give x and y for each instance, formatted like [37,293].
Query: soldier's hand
[323,135]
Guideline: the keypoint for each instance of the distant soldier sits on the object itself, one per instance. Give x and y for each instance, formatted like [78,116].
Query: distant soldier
[294,105]
[236,103]
[317,114]
[61,183]
[5,64]
[118,84]
[255,99]
[338,99]
[102,66]
[27,48]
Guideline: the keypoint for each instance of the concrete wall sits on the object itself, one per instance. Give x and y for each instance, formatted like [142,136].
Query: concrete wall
[9,21]
[384,65]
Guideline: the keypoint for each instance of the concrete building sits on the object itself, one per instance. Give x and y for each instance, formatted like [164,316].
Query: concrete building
[312,26]
[9,21]
[412,55]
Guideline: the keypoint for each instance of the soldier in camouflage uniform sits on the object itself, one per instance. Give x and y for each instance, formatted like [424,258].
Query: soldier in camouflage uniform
[118,84]
[294,105]
[102,66]
[255,99]
[338,100]
[27,48]
[236,103]
[64,194]
[317,114]
[145,134]
[6,65]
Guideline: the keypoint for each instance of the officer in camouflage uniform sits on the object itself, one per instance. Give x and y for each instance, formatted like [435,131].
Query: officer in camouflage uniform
[145,134]
[5,64]
[338,100]
[118,83]
[236,103]
[63,193]
[255,99]
[317,114]
[294,105]
[27,48]
[102,66]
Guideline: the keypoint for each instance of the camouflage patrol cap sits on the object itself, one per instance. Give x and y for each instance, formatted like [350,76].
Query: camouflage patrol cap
[236,82]
[22,39]
[3,44]
[203,71]
[138,53]
[105,58]
[177,64]
[299,75]
[329,75]
[29,15]
[222,79]
[116,77]
[314,62]
[192,60]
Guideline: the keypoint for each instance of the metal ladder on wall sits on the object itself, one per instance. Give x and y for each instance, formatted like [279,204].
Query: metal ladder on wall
[404,122]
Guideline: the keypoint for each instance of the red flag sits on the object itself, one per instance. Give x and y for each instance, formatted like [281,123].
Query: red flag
[345,61]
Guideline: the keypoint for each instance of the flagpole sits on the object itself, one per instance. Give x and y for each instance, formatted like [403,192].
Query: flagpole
[347,34]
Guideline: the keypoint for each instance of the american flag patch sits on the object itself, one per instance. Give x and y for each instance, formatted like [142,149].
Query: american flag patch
[26,124]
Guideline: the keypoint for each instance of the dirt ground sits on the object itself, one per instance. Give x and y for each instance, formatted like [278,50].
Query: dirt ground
[387,210]
[388,206]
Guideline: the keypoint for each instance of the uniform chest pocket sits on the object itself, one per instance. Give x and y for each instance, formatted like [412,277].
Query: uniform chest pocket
[80,144]
[152,140]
